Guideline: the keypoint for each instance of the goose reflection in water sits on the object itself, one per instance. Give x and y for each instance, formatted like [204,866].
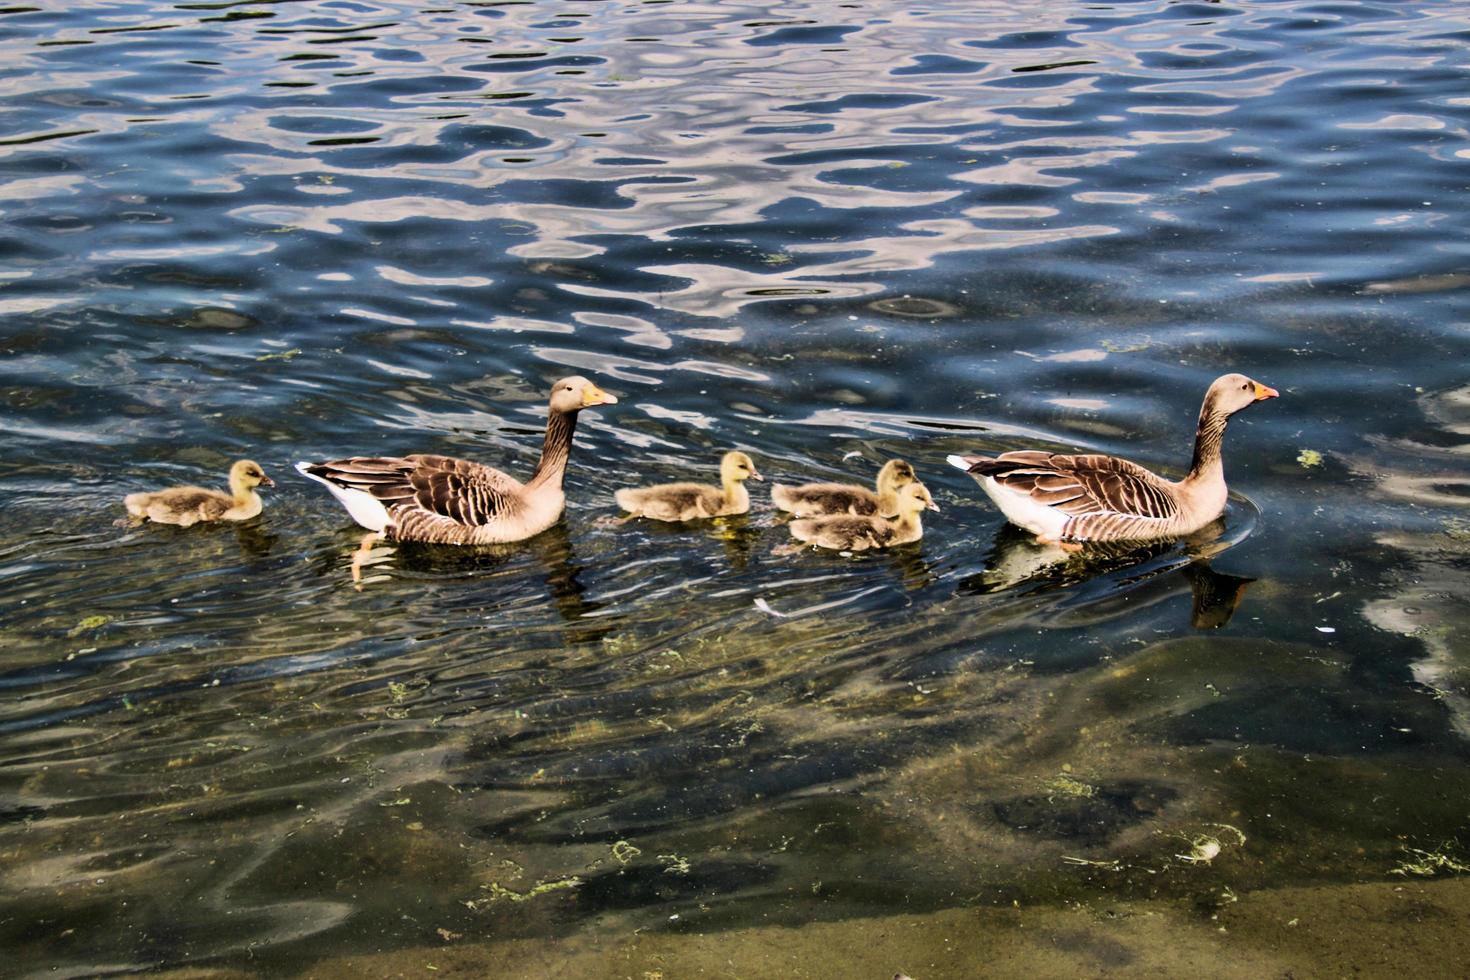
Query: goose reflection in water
[551,551]
[1108,575]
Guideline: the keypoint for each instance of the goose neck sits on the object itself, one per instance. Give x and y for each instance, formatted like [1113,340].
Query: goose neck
[555,450]
[1208,437]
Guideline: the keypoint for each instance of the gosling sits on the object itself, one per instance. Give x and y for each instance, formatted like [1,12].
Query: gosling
[694,501]
[185,506]
[826,499]
[848,532]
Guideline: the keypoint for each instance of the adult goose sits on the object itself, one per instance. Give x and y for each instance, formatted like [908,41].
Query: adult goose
[823,499]
[443,500]
[693,501]
[1067,500]
[186,506]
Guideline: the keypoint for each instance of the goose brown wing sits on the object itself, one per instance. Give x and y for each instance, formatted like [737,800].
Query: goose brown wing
[384,477]
[1086,484]
[465,492]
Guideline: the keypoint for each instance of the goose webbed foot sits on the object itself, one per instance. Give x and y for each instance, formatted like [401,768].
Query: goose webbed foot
[366,554]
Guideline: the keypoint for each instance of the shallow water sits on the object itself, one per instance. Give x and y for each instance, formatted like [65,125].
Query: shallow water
[824,233]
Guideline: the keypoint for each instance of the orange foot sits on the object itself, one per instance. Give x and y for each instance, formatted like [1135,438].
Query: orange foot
[1070,547]
[361,555]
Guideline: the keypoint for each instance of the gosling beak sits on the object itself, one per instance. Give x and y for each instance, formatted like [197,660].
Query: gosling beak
[931,505]
[1263,392]
[266,481]
[593,395]
[756,476]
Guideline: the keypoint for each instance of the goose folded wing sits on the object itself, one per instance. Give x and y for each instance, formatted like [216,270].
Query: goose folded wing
[384,477]
[467,493]
[1087,484]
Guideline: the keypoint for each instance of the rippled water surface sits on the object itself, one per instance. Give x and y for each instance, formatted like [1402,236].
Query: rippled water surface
[825,233]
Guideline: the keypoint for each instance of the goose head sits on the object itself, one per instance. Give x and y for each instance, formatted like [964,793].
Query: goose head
[1232,392]
[575,393]
[736,467]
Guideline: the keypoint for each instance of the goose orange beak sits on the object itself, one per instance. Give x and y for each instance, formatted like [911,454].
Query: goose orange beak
[1263,392]
[593,395]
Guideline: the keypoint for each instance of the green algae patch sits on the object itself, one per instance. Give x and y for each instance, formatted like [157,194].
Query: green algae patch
[90,623]
[1427,864]
[1309,458]
[1067,786]
[499,892]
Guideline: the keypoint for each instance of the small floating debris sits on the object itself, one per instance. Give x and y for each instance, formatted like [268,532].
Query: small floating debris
[1085,862]
[914,306]
[499,892]
[1309,458]
[1326,629]
[1427,864]
[674,864]
[1204,848]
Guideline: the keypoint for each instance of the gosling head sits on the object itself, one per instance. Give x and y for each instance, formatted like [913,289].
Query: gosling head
[248,475]
[575,393]
[1229,393]
[736,467]
[915,498]
[895,475]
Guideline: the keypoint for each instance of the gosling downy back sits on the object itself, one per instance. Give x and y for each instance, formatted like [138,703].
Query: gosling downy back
[825,499]
[846,532]
[694,501]
[186,506]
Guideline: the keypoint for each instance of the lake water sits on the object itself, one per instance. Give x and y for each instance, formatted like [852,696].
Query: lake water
[825,233]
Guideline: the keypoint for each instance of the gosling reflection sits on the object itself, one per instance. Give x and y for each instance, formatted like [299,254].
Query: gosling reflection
[738,537]
[254,540]
[914,571]
[1114,577]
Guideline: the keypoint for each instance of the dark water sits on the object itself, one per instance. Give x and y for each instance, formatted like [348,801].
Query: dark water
[823,233]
